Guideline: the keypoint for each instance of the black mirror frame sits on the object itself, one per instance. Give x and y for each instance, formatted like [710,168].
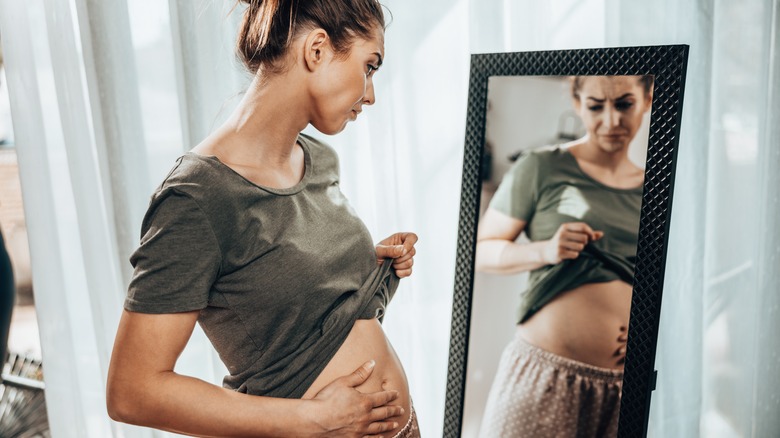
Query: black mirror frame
[668,65]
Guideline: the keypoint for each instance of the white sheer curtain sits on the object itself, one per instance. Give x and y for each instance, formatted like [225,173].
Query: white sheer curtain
[105,95]
[718,353]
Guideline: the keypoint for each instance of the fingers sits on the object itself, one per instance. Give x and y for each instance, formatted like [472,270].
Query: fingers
[379,415]
[397,245]
[379,427]
[400,247]
[389,251]
[403,273]
[620,352]
[575,231]
[399,264]
[361,374]
[382,398]
[568,255]
[408,256]
[623,337]
[572,237]
[620,355]
[571,245]
[409,239]
[382,413]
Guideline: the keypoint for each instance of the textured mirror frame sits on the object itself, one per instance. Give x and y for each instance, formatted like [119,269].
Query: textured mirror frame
[668,66]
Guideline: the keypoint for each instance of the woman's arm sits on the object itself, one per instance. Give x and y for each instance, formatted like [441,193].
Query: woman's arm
[497,252]
[144,390]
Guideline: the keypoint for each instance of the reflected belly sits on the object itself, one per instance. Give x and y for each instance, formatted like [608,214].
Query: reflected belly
[585,324]
[367,341]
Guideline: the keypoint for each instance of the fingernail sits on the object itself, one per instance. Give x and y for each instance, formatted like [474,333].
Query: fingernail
[395,424]
[371,364]
[402,411]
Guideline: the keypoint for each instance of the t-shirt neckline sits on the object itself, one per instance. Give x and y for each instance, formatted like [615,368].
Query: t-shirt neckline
[277,191]
[576,164]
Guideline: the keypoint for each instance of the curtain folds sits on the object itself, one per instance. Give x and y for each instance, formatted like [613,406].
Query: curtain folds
[106,95]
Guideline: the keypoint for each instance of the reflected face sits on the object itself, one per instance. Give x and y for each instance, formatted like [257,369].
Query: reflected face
[611,109]
[346,84]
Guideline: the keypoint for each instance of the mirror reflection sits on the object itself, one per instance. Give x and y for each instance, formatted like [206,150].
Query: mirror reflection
[556,246]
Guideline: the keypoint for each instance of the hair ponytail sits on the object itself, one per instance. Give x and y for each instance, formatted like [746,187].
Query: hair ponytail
[269,26]
[261,40]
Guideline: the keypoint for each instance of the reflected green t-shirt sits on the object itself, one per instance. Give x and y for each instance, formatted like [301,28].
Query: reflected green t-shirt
[546,188]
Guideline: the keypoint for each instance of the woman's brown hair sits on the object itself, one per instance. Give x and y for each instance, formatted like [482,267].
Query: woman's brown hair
[646,81]
[269,26]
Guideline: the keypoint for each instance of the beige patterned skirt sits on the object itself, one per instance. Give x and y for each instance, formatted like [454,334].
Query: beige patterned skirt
[538,394]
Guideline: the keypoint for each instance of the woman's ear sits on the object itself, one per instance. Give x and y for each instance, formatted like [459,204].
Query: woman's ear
[316,48]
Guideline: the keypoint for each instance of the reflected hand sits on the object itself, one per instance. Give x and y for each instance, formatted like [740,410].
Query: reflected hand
[400,247]
[569,241]
[343,411]
[622,339]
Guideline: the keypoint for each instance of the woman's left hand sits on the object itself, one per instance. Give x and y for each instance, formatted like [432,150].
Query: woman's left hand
[400,247]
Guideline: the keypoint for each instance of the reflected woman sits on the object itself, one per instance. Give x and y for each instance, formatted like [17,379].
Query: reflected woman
[579,205]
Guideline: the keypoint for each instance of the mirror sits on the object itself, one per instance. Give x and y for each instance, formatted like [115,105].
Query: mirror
[556,247]
[564,208]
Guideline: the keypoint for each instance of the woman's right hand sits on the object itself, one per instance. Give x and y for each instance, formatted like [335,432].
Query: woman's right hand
[569,241]
[343,411]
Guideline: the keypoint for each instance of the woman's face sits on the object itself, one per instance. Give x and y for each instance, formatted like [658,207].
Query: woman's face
[611,108]
[346,84]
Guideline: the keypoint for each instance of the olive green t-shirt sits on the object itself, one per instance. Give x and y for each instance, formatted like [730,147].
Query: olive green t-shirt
[547,188]
[279,275]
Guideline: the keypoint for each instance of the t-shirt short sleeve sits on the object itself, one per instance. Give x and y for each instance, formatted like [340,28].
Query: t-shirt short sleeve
[517,194]
[178,259]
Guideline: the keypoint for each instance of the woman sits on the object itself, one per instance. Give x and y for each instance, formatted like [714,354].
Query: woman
[579,205]
[250,236]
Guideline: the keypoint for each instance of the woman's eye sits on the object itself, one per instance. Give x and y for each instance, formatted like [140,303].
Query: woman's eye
[370,69]
[596,108]
[622,106]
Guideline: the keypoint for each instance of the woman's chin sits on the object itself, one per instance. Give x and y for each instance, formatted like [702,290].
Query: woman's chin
[613,146]
[330,129]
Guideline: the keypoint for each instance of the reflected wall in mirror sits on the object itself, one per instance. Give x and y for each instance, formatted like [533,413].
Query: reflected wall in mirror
[562,241]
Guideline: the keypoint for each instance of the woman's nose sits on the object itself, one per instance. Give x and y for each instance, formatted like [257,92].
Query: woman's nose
[368,96]
[611,116]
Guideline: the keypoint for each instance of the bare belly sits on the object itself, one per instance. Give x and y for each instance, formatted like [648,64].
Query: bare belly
[367,341]
[587,324]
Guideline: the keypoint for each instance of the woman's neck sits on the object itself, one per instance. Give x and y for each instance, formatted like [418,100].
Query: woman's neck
[612,162]
[611,169]
[264,127]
